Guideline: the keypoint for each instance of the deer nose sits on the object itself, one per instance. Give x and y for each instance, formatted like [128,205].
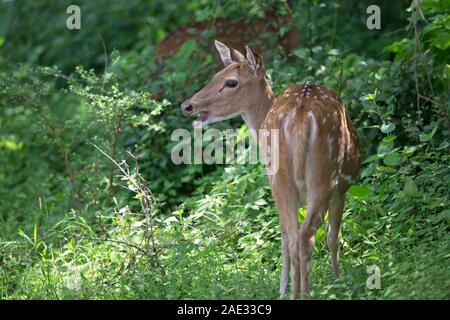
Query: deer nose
[187,108]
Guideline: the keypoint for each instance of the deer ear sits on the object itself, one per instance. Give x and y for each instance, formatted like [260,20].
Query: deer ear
[228,55]
[255,62]
[224,53]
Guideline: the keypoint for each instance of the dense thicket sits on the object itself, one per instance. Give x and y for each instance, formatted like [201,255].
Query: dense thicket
[73,224]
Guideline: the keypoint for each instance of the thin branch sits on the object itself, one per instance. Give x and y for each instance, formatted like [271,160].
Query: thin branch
[129,244]
[416,49]
[105,52]
[146,197]
[115,138]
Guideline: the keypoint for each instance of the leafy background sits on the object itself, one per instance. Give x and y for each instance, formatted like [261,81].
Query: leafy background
[74,226]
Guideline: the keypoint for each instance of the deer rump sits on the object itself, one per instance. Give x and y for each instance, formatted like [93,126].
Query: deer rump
[305,152]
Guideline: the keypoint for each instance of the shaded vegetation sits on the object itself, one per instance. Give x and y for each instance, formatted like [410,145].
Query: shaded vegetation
[75,225]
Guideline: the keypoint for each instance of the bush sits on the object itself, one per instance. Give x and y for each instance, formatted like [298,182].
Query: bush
[91,207]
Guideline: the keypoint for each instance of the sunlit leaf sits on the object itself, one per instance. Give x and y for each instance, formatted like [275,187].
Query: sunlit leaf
[386,169]
[359,191]
[387,128]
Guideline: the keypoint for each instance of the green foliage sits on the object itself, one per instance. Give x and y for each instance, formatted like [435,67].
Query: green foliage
[76,224]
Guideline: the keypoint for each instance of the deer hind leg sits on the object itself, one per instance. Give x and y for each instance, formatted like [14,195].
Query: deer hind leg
[284,278]
[314,218]
[335,217]
[287,203]
[294,254]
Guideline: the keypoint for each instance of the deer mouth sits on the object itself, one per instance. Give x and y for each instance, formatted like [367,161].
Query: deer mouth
[202,116]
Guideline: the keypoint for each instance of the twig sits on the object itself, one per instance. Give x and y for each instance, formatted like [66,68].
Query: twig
[115,241]
[105,52]
[115,138]
[416,49]
[427,99]
[147,200]
[146,204]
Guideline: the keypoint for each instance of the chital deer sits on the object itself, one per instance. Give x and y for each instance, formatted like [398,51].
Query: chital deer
[319,152]
[235,33]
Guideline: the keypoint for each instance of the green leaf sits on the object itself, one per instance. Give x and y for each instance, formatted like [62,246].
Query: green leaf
[35,233]
[186,50]
[443,145]
[359,191]
[392,159]
[410,187]
[387,128]
[425,137]
[409,150]
[260,202]
[386,169]
[371,158]
[442,216]
[389,138]
[442,40]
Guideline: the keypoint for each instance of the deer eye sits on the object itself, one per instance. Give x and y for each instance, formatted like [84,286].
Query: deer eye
[231,83]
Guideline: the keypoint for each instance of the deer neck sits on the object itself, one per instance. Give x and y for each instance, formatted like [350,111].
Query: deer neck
[257,111]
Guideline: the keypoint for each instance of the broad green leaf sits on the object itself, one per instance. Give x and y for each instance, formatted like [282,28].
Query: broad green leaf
[389,138]
[371,158]
[387,128]
[424,137]
[11,145]
[410,187]
[359,191]
[386,169]
[442,40]
[443,145]
[409,150]
[260,202]
[392,159]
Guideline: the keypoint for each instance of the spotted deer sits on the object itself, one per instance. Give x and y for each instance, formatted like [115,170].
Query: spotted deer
[319,152]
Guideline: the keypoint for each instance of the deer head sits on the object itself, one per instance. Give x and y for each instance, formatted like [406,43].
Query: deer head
[232,91]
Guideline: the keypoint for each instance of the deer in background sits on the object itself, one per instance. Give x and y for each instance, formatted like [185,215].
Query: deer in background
[234,33]
[319,152]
